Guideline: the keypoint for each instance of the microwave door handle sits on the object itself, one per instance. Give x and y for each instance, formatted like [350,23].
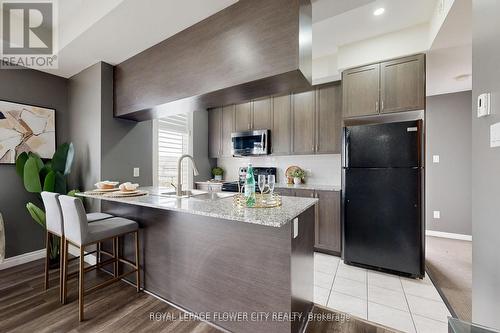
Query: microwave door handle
[263,141]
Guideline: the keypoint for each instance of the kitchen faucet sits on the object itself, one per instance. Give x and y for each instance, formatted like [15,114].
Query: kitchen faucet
[178,188]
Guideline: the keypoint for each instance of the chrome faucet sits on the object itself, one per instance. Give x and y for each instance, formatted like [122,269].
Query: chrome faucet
[178,188]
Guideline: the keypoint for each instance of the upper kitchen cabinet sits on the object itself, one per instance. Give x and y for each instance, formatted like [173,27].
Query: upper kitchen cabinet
[261,115]
[228,123]
[303,124]
[281,136]
[243,117]
[392,86]
[361,91]
[214,132]
[328,119]
[402,84]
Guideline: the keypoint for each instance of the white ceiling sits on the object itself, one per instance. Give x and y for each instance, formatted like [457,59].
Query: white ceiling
[359,23]
[115,30]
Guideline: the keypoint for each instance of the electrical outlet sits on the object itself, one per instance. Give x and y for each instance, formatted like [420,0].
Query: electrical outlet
[136,172]
[437,214]
[435,158]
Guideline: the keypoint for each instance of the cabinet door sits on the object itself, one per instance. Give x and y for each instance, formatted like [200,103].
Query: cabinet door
[242,117]
[227,129]
[328,232]
[261,115]
[303,123]
[214,132]
[402,84]
[360,91]
[329,119]
[281,131]
[304,193]
[286,192]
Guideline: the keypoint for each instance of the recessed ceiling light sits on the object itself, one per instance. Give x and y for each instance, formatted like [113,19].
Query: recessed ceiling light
[379,11]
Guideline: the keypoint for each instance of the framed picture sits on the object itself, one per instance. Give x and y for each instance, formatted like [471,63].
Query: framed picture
[25,128]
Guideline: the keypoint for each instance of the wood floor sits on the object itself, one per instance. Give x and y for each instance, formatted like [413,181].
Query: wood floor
[26,307]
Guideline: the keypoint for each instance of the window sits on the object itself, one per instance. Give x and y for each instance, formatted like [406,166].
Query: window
[172,136]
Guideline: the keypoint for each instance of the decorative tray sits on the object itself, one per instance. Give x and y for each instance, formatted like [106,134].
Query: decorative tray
[125,194]
[261,201]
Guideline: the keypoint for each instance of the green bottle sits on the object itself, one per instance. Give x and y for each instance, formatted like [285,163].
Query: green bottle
[250,187]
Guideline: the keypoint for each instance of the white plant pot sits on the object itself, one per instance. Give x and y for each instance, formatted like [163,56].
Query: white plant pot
[218,177]
[297,180]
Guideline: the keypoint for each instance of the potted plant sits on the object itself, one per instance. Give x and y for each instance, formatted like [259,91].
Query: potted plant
[298,176]
[50,176]
[218,172]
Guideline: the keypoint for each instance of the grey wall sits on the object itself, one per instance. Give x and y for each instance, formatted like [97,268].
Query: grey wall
[125,144]
[448,183]
[200,146]
[36,88]
[486,167]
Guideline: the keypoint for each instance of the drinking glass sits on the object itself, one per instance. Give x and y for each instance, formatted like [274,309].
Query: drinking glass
[262,183]
[271,180]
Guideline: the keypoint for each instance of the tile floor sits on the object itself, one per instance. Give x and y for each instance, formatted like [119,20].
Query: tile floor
[404,304]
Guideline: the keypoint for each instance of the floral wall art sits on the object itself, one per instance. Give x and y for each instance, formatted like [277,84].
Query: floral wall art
[25,128]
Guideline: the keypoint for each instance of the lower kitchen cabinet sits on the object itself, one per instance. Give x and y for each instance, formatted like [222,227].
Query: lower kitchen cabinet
[328,235]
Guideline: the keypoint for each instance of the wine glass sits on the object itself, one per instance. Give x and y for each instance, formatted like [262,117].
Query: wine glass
[271,181]
[261,181]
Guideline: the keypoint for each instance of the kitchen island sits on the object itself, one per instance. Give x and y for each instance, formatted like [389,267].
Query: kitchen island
[243,269]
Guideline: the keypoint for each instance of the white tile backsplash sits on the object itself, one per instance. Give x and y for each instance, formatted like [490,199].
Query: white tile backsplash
[321,169]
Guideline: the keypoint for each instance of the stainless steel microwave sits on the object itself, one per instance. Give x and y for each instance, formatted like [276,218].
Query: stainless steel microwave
[250,143]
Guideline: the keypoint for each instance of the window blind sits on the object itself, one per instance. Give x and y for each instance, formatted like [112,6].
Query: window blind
[172,142]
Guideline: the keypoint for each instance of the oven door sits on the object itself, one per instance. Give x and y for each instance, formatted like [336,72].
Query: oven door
[250,143]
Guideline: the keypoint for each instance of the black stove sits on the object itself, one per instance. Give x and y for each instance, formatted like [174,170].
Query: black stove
[242,173]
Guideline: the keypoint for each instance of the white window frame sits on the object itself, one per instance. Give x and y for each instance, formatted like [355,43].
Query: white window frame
[190,178]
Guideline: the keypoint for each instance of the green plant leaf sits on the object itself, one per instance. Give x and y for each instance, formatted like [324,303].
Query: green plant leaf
[31,175]
[50,182]
[63,158]
[60,183]
[39,161]
[20,162]
[36,213]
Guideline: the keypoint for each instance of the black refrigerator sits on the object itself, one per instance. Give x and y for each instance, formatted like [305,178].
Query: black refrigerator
[383,197]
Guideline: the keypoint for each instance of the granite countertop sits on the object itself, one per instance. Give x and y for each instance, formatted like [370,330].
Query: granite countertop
[318,187]
[219,208]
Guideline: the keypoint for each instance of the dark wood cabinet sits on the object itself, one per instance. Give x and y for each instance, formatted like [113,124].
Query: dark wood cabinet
[281,135]
[242,117]
[328,119]
[402,83]
[227,128]
[303,112]
[261,113]
[328,235]
[214,132]
[328,226]
[392,86]
[360,91]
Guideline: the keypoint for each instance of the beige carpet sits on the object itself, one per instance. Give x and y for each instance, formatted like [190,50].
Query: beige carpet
[449,265]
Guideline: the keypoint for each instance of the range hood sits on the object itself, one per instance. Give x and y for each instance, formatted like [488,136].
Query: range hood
[251,49]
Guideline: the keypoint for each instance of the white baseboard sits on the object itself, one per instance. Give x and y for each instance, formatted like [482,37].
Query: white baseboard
[448,235]
[89,259]
[22,259]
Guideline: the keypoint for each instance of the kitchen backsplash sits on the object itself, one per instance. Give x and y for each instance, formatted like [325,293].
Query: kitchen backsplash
[320,169]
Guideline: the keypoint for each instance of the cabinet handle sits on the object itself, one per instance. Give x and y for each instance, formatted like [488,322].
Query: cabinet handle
[376,106]
[382,106]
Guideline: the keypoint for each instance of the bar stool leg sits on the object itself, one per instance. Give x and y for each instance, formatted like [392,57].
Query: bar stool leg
[81,286]
[115,256]
[65,271]
[61,268]
[47,259]
[137,265]
[98,255]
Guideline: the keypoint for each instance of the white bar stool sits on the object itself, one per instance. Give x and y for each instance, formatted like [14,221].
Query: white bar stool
[80,233]
[54,226]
